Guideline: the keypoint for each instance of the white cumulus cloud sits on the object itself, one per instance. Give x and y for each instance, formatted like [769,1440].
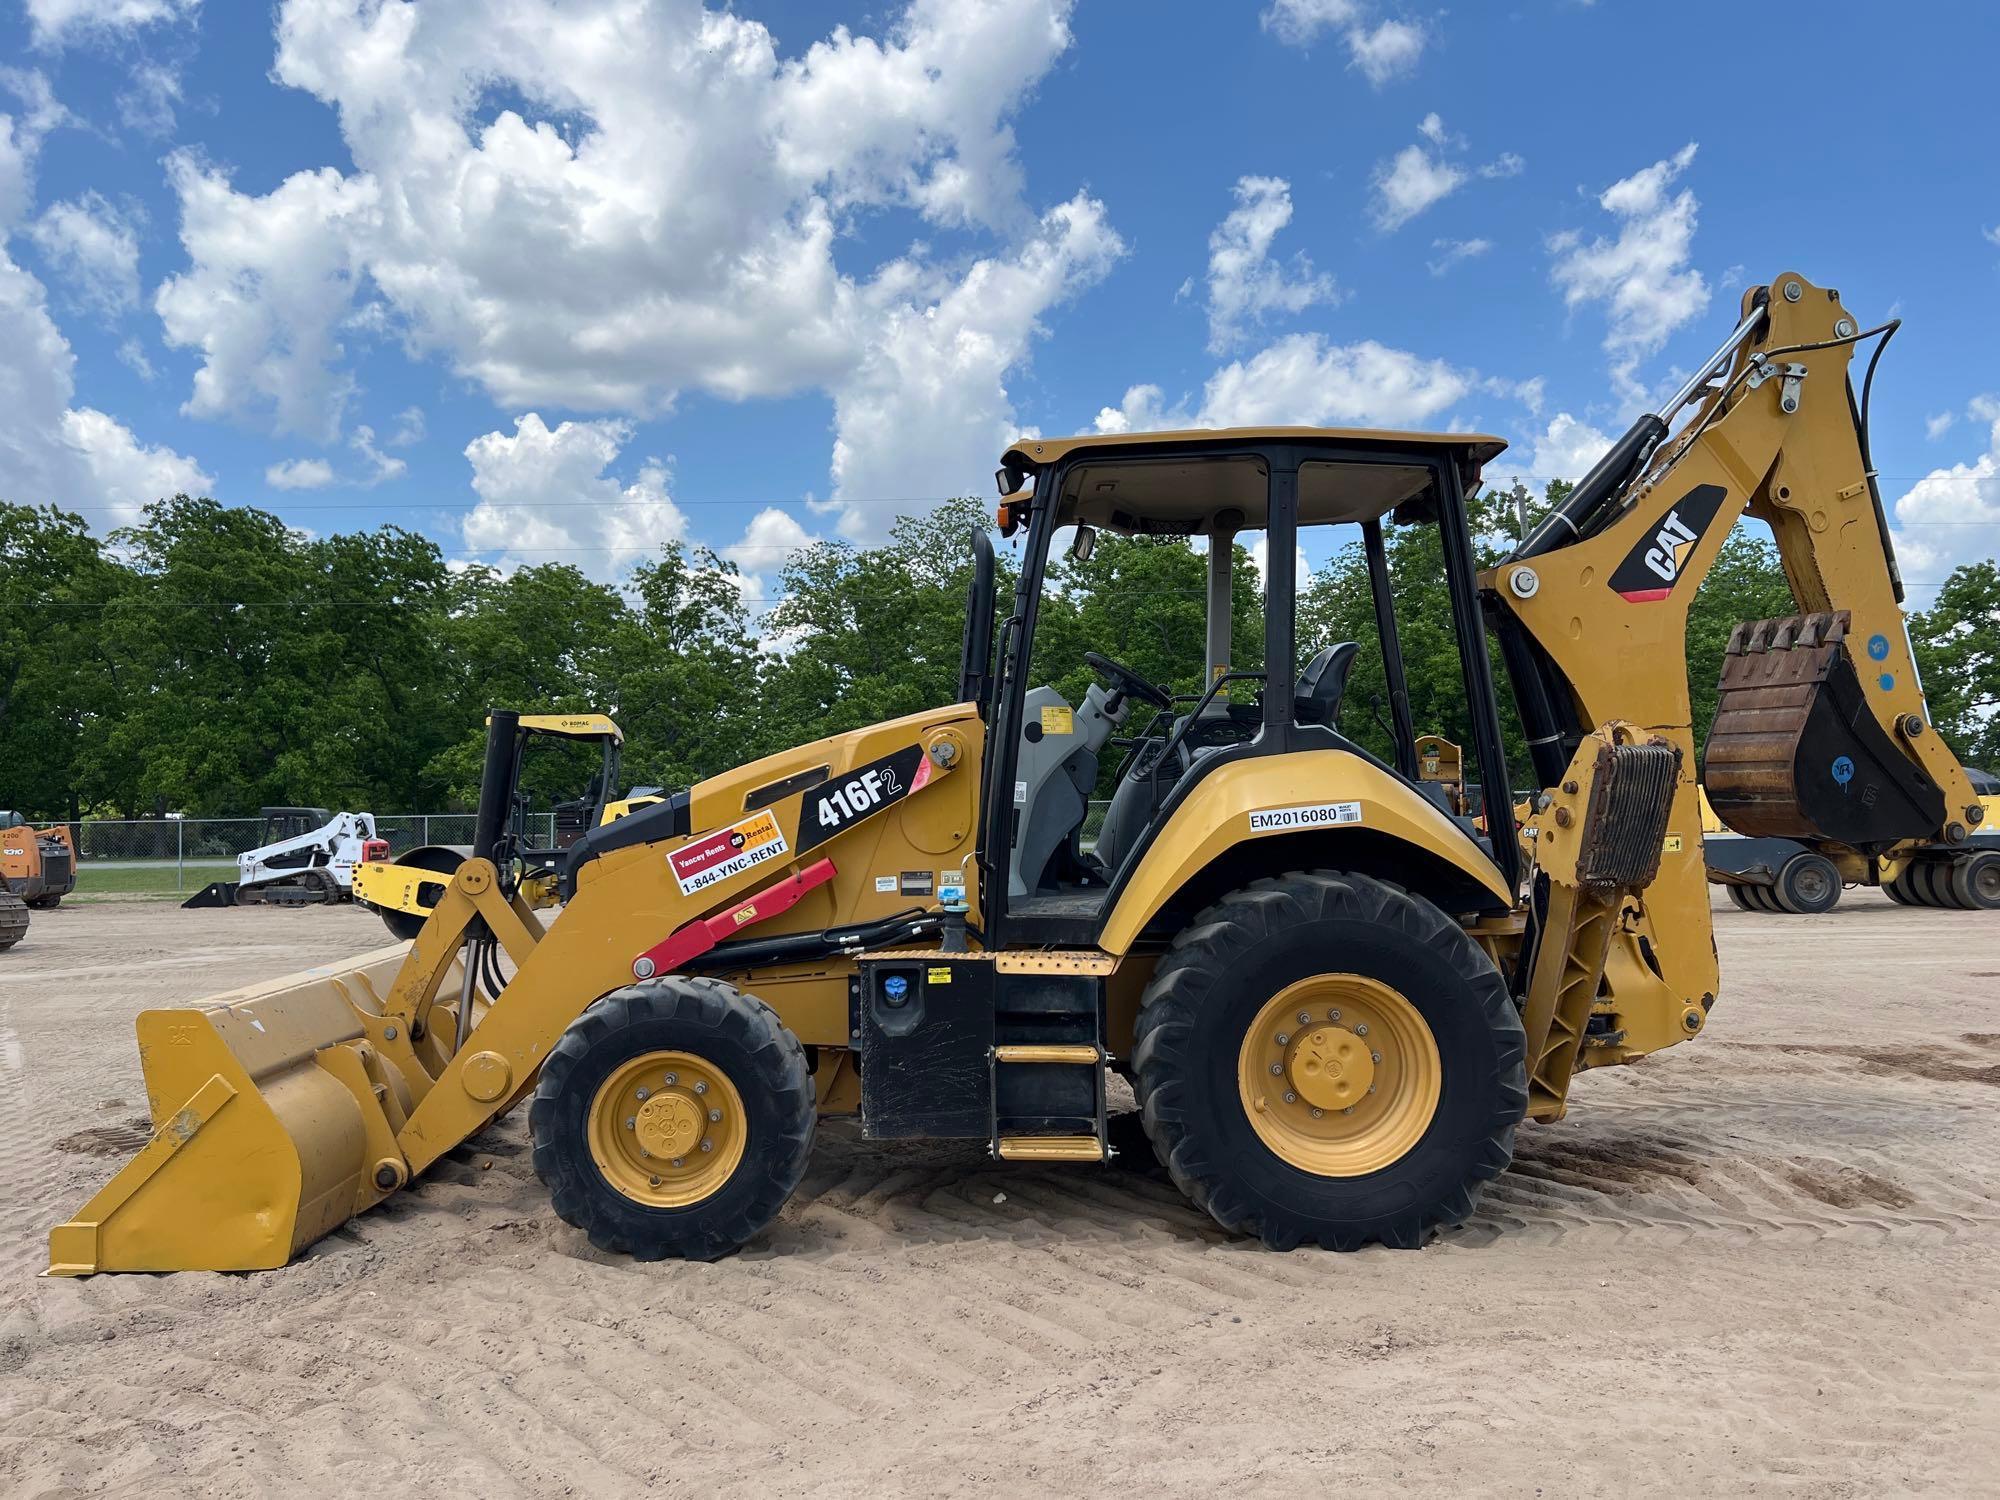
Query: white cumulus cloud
[57,23]
[1381,50]
[299,474]
[544,497]
[1417,177]
[1952,515]
[95,248]
[1565,448]
[593,205]
[1641,276]
[52,450]
[1304,379]
[1245,285]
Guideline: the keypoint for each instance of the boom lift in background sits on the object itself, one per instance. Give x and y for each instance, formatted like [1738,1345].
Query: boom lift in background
[1336,995]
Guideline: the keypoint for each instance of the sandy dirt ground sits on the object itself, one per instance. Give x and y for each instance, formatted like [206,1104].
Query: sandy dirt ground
[1765,1262]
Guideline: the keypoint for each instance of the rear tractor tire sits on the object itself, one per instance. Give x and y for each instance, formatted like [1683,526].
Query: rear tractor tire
[1326,1058]
[1975,880]
[1739,896]
[673,1118]
[1807,885]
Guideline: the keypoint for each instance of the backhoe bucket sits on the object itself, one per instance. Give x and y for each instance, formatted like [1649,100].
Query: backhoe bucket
[274,1109]
[1796,752]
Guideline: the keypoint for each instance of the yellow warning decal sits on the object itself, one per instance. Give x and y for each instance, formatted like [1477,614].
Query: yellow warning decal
[940,975]
[1058,718]
[1672,845]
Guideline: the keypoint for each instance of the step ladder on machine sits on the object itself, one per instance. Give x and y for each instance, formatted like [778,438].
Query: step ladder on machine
[1007,1046]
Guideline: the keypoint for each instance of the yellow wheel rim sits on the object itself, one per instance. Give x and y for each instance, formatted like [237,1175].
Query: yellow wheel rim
[667,1129]
[1339,1075]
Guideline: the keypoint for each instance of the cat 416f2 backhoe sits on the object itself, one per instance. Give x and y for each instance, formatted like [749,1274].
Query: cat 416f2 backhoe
[1336,995]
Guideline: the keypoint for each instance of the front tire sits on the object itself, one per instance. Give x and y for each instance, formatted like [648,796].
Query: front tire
[1378,1129]
[673,1118]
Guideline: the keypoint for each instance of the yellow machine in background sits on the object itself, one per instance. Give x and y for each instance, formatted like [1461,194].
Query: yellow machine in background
[1337,995]
[404,890]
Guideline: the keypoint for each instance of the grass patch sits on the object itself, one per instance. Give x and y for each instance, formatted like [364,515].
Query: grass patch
[109,878]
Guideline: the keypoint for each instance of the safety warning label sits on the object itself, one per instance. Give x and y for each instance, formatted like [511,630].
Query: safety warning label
[726,852]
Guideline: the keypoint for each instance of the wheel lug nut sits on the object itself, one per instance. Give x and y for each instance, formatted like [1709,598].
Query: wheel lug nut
[1283,1040]
[1333,1015]
[631,1123]
[1290,1097]
[701,1088]
[1304,1018]
[680,1161]
[672,1079]
[1349,1110]
[1277,1068]
[645,1153]
[1362,1029]
[714,1114]
[1374,1057]
[708,1145]
[642,1094]
[1317,1112]
[655,1181]
[1371,1088]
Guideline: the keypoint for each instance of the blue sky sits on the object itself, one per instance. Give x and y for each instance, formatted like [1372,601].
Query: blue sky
[560,281]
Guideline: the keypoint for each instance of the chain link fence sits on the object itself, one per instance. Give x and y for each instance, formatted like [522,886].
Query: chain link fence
[170,856]
[176,856]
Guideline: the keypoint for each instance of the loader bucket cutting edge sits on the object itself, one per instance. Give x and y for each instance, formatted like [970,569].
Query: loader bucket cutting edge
[271,1108]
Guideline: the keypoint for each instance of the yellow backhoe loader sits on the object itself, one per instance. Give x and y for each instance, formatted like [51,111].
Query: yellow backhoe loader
[1336,995]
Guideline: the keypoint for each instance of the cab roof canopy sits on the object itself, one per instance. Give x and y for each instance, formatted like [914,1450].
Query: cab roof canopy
[1185,483]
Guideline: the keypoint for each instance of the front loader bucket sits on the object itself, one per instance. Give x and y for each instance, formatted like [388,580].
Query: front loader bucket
[274,1109]
[215,893]
[1796,752]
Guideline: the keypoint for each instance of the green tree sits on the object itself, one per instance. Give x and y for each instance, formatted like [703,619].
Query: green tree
[865,634]
[686,671]
[543,639]
[59,684]
[1746,583]
[1957,643]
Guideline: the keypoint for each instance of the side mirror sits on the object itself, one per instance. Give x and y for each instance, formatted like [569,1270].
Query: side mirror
[1084,544]
[1009,480]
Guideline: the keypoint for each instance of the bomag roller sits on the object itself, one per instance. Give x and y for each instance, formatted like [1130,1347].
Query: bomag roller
[1336,997]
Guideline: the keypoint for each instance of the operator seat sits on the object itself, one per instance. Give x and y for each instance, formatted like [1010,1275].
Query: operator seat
[1322,683]
[1315,700]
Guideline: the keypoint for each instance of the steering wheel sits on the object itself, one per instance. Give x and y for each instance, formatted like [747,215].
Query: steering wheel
[1128,680]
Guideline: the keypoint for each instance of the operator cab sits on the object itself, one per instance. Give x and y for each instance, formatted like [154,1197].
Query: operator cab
[1144,744]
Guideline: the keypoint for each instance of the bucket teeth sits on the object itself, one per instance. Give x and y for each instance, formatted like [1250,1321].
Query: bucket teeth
[1797,752]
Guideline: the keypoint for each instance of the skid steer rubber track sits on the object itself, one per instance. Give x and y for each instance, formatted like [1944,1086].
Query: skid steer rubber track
[13,919]
[1796,751]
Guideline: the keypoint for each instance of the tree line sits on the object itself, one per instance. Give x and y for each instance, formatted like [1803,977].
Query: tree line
[210,659]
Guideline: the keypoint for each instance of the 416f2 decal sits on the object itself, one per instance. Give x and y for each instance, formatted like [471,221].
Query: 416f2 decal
[846,800]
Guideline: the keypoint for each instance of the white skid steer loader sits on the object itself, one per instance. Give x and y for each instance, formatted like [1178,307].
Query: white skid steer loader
[308,857]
